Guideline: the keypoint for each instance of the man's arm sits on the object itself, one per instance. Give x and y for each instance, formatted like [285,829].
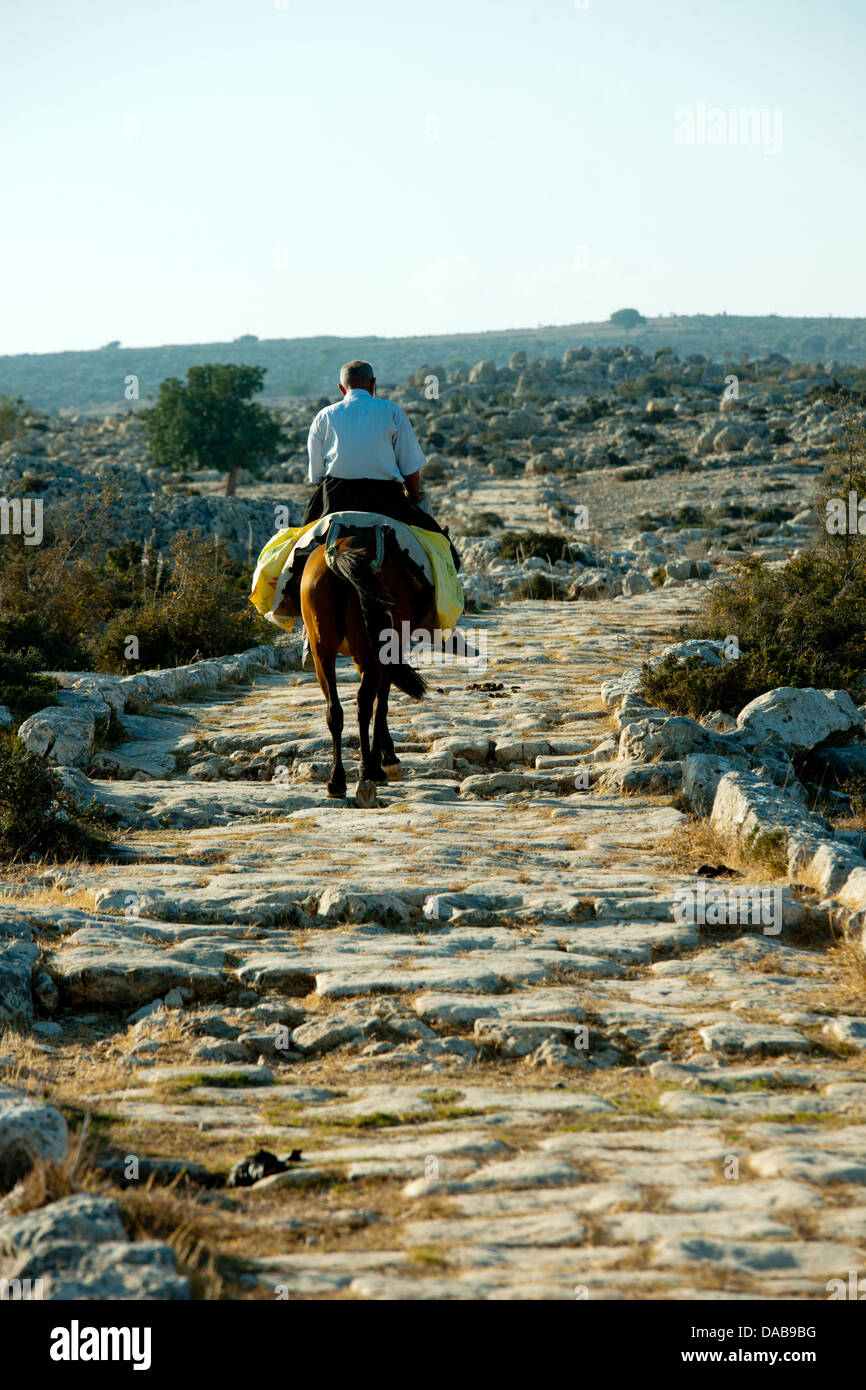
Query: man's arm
[408,453]
[315,450]
[412,484]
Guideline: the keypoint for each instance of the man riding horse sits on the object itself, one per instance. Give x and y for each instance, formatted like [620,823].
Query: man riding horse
[364,456]
[356,593]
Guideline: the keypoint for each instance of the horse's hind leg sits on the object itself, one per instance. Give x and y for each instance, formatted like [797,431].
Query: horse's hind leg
[383,744]
[369,689]
[327,674]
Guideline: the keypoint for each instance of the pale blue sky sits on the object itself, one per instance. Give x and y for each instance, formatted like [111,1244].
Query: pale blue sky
[190,170]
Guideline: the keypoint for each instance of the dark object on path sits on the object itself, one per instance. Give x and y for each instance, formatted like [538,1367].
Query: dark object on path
[261,1164]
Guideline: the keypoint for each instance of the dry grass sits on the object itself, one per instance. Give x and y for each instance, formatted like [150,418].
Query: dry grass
[20,889]
[697,843]
[49,1181]
[848,961]
[148,1212]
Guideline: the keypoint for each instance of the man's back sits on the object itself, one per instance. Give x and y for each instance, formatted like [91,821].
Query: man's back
[362,436]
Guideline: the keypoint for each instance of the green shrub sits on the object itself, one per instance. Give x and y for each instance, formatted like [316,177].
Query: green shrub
[22,689]
[483,524]
[691,687]
[541,545]
[633,388]
[38,636]
[775,514]
[202,612]
[798,625]
[14,410]
[538,587]
[37,815]
[802,624]
[592,409]
[691,516]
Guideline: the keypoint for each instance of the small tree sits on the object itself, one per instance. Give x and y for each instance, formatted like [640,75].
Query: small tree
[210,420]
[627,318]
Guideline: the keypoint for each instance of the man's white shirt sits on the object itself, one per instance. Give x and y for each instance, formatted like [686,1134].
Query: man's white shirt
[362,436]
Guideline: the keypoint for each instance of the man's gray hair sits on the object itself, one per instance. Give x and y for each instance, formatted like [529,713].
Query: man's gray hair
[356,374]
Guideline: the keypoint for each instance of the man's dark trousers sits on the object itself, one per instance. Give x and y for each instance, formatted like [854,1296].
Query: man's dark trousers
[370,495]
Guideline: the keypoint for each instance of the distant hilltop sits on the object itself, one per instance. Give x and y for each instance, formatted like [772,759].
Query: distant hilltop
[98,380]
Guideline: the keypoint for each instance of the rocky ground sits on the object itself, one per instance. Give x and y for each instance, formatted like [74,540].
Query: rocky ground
[628,437]
[510,1071]
[490,1055]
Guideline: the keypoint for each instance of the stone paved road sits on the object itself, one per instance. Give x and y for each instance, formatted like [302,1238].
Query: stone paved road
[512,1073]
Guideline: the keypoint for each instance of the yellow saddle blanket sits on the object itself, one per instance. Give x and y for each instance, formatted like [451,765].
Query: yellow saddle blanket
[269,566]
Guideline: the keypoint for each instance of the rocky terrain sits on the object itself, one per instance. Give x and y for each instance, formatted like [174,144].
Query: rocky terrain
[664,457]
[575,1010]
[108,377]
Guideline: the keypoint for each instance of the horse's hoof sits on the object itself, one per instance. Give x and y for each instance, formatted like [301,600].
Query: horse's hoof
[365,793]
[336,790]
[393,772]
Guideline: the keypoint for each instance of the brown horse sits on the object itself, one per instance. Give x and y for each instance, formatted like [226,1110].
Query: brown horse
[350,609]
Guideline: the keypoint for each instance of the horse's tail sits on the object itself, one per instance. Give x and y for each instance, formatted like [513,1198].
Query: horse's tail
[351,561]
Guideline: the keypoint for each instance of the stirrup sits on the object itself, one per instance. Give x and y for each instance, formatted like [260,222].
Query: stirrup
[376,564]
[331,544]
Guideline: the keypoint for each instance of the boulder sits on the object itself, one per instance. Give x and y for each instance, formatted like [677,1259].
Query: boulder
[675,738]
[752,811]
[82,1217]
[65,737]
[16,968]
[731,437]
[524,751]
[702,773]
[540,463]
[597,586]
[633,708]
[635,583]
[655,779]
[852,896]
[484,372]
[710,650]
[848,1030]
[323,1036]
[338,905]
[556,1054]
[747,805]
[679,569]
[748,1038]
[30,1130]
[105,970]
[514,1038]
[614,691]
[719,722]
[492,784]
[115,1271]
[800,719]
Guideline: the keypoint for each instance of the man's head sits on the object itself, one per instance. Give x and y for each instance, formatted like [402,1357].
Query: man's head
[357,376]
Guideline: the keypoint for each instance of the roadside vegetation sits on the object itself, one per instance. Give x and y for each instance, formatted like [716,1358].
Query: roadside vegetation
[73,602]
[799,624]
